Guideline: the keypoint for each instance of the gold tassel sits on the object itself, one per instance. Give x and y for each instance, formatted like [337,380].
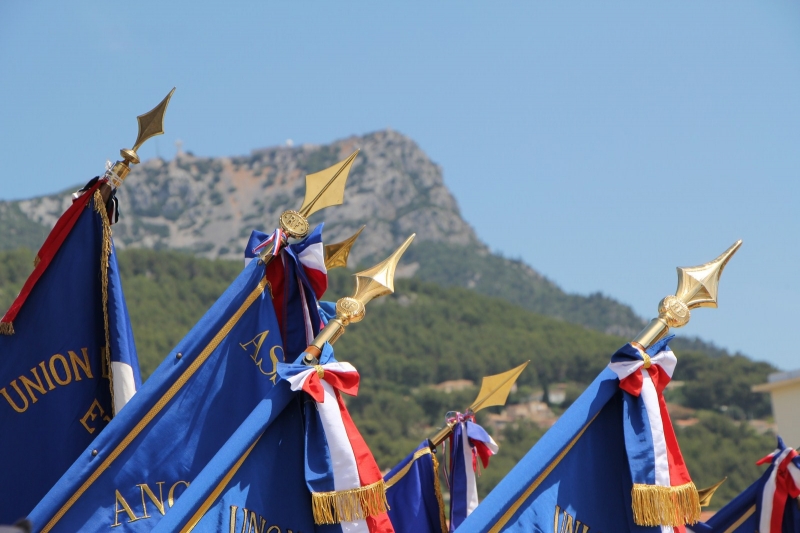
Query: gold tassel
[654,505]
[6,328]
[105,252]
[437,487]
[349,505]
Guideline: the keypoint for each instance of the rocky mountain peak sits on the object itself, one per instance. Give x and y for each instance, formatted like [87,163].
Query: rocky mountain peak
[209,206]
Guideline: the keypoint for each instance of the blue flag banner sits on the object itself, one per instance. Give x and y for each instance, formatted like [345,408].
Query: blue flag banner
[468,442]
[65,345]
[414,493]
[578,477]
[770,505]
[147,456]
[273,468]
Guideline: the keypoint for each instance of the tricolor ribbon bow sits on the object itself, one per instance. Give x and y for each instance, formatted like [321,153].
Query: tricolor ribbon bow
[341,376]
[663,493]
[783,483]
[345,482]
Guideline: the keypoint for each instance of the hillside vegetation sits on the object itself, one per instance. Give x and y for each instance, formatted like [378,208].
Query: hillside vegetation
[427,333]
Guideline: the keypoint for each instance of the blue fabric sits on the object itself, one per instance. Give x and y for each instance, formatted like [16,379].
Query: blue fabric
[185,432]
[327,311]
[740,506]
[458,478]
[590,484]
[59,327]
[413,505]
[273,480]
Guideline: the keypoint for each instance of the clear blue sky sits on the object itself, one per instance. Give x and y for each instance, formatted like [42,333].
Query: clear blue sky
[605,143]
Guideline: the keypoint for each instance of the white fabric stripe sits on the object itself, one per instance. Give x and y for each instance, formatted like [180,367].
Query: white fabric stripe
[492,445]
[314,257]
[768,495]
[298,380]
[247,260]
[472,489]
[124,384]
[343,460]
[665,360]
[650,398]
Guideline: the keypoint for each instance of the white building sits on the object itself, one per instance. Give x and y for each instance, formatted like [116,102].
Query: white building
[784,387]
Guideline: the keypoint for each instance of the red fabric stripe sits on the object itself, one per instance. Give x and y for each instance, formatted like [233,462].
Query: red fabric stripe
[346,382]
[633,384]
[275,277]
[50,248]
[368,471]
[678,473]
[318,280]
[784,488]
[483,452]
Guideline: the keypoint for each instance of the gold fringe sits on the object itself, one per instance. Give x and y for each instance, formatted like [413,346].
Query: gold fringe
[6,328]
[437,487]
[349,505]
[100,208]
[654,505]
[36,261]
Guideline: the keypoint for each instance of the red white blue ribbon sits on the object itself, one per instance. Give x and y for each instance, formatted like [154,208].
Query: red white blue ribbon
[654,456]
[783,483]
[278,237]
[352,463]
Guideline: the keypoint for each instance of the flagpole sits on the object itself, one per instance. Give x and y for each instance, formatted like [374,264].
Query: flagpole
[494,391]
[370,284]
[150,125]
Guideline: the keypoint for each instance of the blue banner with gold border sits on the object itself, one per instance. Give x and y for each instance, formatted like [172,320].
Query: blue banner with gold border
[414,493]
[55,394]
[576,478]
[133,473]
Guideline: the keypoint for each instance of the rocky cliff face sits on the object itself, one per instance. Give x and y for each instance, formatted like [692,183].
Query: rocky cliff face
[209,206]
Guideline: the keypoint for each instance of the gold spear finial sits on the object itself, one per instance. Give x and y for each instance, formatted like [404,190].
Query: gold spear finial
[494,391]
[150,125]
[370,284]
[697,287]
[326,187]
[323,189]
[336,254]
[707,493]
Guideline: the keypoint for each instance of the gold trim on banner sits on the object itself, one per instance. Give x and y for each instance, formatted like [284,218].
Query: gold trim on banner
[105,253]
[656,505]
[538,481]
[742,519]
[201,511]
[349,505]
[6,328]
[151,414]
[398,476]
[438,488]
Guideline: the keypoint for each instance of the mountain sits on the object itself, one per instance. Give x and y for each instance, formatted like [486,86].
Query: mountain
[209,206]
